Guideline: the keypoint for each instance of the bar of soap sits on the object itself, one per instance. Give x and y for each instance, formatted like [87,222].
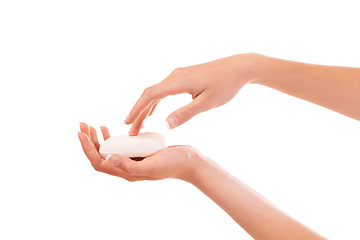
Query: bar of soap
[140,146]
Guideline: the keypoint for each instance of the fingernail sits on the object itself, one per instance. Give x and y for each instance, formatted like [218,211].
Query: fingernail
[172,123]
[114,161]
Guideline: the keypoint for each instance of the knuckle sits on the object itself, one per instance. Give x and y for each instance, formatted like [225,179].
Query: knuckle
[128,169]
[187,112]
[147,92]
[190,151]
[96,166]
[180,73]
[188,148]
[177,70]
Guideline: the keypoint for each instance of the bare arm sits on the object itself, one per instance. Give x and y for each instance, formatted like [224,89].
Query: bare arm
[215,83]
[333,87]
[255,214]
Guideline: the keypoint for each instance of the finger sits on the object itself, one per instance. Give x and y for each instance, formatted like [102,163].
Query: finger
[94,138]
[150,94]
[151,167]
[135,128]
[113,163]
[110,168]
[153,108]
[180,116]
[84,128]
[103,166]
[90,151]
[128,166]
[105,132]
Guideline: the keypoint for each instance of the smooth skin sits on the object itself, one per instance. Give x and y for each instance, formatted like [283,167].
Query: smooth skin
[215,83]
[255,214]
[212,85]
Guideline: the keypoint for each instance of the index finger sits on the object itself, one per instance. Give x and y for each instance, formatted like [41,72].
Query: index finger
[153,93]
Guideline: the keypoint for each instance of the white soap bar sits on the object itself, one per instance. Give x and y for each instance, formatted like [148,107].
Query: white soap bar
[142,145]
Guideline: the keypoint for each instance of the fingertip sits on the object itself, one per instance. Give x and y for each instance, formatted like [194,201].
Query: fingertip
[84,128]
[172,122]
[167,125]
[119,161]
[133,133]
[113,160]
[128,120]
[107,157]
[104,128]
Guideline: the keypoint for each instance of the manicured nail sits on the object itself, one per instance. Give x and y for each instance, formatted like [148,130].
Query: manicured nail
[114,160]
[172,123]
[107,157]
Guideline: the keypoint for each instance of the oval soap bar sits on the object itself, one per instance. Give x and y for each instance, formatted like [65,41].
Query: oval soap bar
[142,145]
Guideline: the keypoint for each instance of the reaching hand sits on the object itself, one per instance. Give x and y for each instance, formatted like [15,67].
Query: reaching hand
[173,162]
[210,84]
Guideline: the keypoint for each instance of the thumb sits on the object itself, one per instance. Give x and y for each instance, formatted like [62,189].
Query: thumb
[182,115]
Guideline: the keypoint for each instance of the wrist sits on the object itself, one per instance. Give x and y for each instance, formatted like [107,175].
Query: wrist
[197,165]
[250,67]
[268,71]
[203,171]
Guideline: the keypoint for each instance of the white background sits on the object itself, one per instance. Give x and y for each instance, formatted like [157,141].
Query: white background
[62,62]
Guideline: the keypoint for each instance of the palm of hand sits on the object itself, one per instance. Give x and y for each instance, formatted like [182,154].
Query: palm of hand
[172,162]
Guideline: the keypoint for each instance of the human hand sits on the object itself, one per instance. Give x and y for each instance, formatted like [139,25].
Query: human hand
[174,162]
[211,85]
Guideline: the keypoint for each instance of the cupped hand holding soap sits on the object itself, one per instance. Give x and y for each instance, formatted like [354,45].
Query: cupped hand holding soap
[140,146]
[161,161]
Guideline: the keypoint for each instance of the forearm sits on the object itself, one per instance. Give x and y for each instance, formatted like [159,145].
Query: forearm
[335,88]
[255,214]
